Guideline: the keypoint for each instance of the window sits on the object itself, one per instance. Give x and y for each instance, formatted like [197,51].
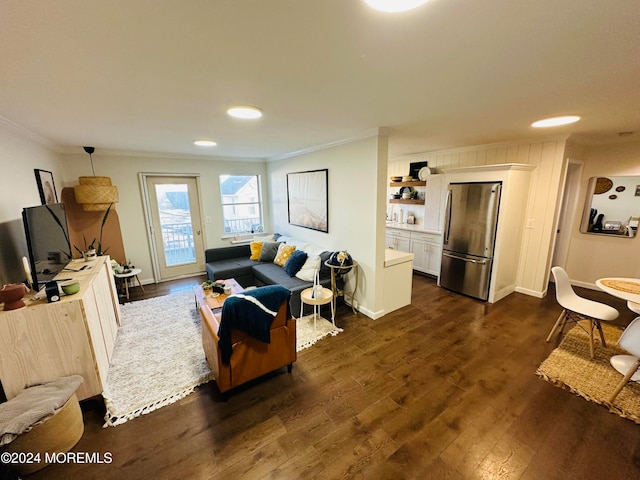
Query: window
[241,203]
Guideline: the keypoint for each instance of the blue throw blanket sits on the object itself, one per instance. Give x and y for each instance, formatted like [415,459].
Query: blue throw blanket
[249,316]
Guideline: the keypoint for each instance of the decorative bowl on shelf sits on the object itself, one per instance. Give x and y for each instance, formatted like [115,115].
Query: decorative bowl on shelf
[407,178]
[396,178]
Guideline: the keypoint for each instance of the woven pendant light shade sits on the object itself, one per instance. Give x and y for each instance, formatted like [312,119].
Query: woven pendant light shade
[95,193]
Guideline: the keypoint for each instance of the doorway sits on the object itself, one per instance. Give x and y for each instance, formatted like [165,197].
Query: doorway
[175,225]
[567,213]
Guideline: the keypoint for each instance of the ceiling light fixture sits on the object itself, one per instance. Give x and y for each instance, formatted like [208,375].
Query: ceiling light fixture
[205,143]
[95,194]
[556,121]
[245,112]
[394,5]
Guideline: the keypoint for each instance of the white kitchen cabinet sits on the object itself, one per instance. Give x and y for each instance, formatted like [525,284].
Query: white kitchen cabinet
[74,336]
[398,240]
[425,246]
[427,251]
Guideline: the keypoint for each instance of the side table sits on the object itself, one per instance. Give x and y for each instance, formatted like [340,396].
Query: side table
[127,277]
[326,296]
[339,271]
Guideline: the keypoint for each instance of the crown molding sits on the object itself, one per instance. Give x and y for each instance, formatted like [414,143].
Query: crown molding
[374,132]
[108,152]
[28,134]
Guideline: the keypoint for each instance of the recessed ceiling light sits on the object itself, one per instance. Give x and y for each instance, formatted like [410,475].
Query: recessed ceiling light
[394,5]
[205,143]
[555,121]
[245,112]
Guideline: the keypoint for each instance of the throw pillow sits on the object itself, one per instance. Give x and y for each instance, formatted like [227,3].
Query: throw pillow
[308,270]
[269,251]
[256,248]
[295,262]
[283,254]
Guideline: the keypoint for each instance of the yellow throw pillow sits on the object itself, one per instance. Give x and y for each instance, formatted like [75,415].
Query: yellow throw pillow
[284,252]
[256,248]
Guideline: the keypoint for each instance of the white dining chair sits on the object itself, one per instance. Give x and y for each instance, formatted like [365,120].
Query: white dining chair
[577,308]
[628,365]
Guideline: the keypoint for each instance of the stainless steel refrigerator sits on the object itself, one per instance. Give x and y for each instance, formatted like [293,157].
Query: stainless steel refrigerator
[471,218]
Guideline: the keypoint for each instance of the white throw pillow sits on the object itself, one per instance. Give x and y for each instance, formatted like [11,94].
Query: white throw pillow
[312,250]
[308,270]
[300,244]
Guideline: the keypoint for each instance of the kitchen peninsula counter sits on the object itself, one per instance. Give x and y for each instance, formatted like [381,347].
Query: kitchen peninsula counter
[398,279]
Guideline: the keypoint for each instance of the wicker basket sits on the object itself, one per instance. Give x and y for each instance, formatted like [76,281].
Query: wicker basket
[59,433]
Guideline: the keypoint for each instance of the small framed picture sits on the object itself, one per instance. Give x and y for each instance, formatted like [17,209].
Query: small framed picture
[46,186]
[637,190]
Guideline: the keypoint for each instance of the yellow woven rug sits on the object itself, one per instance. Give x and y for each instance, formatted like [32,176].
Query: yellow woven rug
[570,367]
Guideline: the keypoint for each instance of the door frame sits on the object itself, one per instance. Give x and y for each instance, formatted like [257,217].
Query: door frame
[568,205]
[142,179]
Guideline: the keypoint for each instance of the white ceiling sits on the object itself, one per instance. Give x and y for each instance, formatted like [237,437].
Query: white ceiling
[152,76]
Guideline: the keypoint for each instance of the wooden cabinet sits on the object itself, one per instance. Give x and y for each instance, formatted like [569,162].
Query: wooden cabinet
[76,335]
[427,252]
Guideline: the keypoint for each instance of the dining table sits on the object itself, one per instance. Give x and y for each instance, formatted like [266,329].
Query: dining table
[625,288]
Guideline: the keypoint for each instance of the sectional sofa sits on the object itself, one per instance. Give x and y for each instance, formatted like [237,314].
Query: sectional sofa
[236,262]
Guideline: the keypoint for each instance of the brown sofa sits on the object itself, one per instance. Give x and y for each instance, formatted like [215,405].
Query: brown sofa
[250,358]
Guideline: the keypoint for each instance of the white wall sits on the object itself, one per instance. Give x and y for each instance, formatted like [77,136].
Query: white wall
[124,169]
[595,256]
[357,173]
[20,154]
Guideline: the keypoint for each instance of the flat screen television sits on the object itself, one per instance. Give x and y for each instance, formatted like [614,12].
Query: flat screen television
[47,233]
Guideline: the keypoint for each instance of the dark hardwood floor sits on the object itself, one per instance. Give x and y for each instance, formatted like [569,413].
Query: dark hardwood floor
[443,388]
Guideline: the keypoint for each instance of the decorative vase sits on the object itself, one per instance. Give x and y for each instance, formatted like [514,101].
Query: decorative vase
[89,254]
[11,294]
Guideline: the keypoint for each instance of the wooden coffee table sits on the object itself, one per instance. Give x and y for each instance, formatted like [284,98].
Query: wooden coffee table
[213,301]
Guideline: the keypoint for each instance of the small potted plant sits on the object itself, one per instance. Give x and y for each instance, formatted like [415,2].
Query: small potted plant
[207,287]
[89,251]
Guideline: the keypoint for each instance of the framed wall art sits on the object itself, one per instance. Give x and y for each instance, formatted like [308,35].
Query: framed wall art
[307,199]
[46,186]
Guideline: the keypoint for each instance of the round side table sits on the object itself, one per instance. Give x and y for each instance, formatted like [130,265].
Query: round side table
[326,296]
[127,277]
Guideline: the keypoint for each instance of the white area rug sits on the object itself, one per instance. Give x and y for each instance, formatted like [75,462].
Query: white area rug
[158,357]
[307,335]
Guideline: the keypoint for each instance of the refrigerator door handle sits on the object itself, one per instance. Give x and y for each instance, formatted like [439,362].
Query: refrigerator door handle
[466,259]
[447,218]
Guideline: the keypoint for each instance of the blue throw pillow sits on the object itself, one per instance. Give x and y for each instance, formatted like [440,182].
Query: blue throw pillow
[295,262]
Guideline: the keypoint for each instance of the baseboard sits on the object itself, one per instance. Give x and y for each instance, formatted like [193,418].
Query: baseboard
[532,293]
[369,313]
